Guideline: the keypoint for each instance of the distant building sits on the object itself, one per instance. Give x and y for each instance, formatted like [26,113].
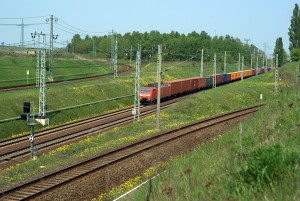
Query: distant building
[2,43]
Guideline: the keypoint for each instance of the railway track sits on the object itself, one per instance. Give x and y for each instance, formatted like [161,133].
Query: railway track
[125,69]
[15,150]
[57,179]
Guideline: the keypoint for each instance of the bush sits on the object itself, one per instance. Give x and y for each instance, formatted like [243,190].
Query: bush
[267,165]
[295,54]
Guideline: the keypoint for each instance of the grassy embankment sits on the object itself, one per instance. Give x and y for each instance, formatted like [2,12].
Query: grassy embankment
[260,164]
[211,102]
[14,69]
[70,94]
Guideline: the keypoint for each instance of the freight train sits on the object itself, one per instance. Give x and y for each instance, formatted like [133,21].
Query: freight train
[170,89]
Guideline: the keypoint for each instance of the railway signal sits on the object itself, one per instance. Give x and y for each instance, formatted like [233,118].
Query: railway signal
[28,116]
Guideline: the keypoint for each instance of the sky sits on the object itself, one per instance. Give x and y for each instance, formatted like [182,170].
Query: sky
[261,21]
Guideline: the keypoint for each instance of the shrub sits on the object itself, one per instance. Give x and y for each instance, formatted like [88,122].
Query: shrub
[295,54]
[267,165]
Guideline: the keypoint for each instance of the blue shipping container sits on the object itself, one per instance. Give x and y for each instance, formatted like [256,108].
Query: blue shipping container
[225,77]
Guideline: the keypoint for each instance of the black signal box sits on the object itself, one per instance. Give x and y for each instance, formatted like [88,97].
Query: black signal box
[26,107]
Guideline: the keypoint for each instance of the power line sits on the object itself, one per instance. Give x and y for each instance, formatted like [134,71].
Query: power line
[3,24]
[81,30]
[18,18]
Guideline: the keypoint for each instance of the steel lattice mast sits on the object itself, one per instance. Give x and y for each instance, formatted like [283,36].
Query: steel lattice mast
[201,65]
[214,85]
[112,49]
[38,62]
[225,56]
[116,59]
[256,65]
[159,58]
[42,96]
[52,37]
[276,76]
[239,63]
[242,71]
[136,111]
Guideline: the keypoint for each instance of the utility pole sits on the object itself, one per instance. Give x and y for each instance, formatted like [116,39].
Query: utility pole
[276,76]
[37,50]
[263,61]
[130,54]
[239,67]
[42,96]
[116,60]
[51,70]
[158,87]
[112,49]
[22,33]
[266,61]
[265,48]
[271,61]
[251,61]
[42,80]
[247,40]
[93,49]
[242,71]
[214,85]
[136,110]
[201,67]
[256,65]
[225,62]
[297,78]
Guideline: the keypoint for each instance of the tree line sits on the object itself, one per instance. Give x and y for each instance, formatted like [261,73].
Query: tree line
[294,34]
[176,46]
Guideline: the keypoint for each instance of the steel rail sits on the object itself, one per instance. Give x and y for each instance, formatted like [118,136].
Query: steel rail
[8,154]
[55,179]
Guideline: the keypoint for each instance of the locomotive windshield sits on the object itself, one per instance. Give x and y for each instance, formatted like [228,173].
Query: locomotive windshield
[145,90]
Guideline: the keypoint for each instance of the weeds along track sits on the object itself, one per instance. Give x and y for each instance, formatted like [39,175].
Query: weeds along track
[125,69]
[105,160]
[15,150]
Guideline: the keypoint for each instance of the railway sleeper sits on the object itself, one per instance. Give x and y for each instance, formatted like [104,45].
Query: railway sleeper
[47,184]
[23,192]
[13,197]
[34,189]
[82,170]
[63,178]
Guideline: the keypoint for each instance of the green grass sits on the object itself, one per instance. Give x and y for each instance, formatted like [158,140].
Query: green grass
[201,105]
[266,167]
[65,95]
[14,69]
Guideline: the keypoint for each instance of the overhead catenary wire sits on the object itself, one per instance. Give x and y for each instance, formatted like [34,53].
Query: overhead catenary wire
[19,18]
[5,24]
[81,30]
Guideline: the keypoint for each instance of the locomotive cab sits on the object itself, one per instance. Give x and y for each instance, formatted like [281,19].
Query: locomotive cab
[146,94]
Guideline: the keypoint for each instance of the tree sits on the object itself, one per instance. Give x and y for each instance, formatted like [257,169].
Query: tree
[295,54]
[280,51]
[294,29]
